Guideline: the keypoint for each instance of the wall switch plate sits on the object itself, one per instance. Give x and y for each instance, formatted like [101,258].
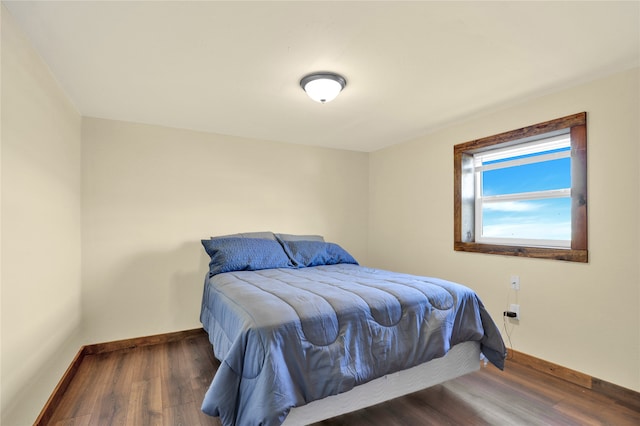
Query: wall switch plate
[515,282]
[515,308]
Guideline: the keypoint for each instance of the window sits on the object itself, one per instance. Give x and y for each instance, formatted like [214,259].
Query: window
[524,192]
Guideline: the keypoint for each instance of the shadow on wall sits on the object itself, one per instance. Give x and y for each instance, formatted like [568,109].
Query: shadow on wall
[192,279]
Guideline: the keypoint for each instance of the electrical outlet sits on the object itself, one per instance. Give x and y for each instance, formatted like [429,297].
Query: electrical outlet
[515,308]
[515,282]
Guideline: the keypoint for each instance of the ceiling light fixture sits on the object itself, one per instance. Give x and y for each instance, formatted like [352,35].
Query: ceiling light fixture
[323,86]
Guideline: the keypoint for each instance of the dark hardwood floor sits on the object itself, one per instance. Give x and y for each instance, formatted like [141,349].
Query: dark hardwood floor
[164,384]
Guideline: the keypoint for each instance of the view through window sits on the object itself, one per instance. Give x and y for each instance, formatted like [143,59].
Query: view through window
[523,193]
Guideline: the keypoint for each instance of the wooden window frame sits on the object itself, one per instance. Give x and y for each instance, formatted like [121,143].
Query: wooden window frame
[464,197]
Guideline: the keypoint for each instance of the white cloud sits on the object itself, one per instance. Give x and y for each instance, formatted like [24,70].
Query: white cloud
[511,206]
[550,231]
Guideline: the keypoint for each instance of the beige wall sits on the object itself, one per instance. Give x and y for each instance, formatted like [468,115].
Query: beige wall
[41,308]
[151,193]
[583,316]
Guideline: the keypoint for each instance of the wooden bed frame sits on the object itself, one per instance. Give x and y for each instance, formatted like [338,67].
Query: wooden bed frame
[463,358]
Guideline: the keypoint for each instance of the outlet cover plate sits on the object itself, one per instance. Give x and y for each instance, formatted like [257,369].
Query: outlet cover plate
[515,308]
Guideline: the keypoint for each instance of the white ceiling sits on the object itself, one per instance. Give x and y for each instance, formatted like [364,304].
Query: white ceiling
[411,67]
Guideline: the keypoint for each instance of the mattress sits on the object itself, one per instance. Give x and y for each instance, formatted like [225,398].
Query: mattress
[286,337]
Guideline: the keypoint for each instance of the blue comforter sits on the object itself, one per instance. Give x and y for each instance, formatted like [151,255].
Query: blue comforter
[286,337]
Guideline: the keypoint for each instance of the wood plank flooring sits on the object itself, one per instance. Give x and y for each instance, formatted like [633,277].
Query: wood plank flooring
[164,385]
[160,384]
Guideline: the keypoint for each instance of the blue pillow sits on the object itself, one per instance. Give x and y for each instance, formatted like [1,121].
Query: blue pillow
[316,253]
[244,254]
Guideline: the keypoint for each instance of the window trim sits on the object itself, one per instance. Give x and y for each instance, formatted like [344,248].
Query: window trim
[464,187]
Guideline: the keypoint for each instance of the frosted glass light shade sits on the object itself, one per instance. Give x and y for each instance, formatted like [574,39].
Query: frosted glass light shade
[323,87]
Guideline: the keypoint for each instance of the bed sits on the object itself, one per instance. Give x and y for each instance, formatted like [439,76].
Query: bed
[304,333]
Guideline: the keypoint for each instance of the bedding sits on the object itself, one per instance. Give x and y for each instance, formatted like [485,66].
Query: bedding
[463,358]
[265,235]
[244,254]
[293,237]
[315,253]
[289,336]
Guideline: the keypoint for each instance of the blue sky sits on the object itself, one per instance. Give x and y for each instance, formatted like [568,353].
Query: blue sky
[537,219]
